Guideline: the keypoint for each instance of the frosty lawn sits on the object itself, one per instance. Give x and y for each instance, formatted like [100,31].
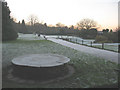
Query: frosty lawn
[108,47]
[90,71]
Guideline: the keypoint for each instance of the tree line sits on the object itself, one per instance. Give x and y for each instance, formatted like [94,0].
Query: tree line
[86,28]
[8,31]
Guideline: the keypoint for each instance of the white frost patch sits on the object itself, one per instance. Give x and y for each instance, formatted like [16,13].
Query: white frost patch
[29,37]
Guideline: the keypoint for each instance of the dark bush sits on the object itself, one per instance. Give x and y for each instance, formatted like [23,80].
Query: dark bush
[102,39]
[88,34]
[8,32]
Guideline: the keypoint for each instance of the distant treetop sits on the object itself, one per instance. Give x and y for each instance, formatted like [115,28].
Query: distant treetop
[87,24]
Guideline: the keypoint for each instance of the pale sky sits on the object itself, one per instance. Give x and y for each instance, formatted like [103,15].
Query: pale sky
[68,12]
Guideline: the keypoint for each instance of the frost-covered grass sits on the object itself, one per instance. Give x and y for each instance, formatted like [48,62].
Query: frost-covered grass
[90,71]
[112,47]
[108,47]
[29,37]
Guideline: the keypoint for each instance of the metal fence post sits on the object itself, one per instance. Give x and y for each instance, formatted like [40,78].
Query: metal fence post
[91,43]
[82,42]
[76,40]
[102,45]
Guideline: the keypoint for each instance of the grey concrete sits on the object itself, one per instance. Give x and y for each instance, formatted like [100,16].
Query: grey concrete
[40,60]
[108,55]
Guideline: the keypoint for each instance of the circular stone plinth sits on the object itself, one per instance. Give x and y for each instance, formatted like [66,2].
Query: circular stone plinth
[40,60]
[40,67]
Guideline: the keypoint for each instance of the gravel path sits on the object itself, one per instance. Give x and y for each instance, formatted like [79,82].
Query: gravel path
[108,55]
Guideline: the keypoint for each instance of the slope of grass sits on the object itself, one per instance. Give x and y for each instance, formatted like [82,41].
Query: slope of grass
[90,71]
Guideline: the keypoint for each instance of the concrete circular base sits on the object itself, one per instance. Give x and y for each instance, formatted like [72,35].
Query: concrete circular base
[40,60]
[39,67]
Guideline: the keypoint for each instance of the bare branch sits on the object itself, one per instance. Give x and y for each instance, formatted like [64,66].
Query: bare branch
[86,24]
[32,19]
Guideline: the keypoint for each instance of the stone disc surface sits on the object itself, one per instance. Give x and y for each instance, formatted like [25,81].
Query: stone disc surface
[40,60]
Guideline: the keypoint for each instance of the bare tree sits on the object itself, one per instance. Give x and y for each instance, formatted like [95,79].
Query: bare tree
[72,27]
[87,24]
[60,25]
[33,19]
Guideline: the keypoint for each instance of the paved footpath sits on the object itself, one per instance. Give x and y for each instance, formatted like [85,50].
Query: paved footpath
[108,55]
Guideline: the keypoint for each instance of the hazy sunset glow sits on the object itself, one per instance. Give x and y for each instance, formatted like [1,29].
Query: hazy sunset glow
[68,12]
